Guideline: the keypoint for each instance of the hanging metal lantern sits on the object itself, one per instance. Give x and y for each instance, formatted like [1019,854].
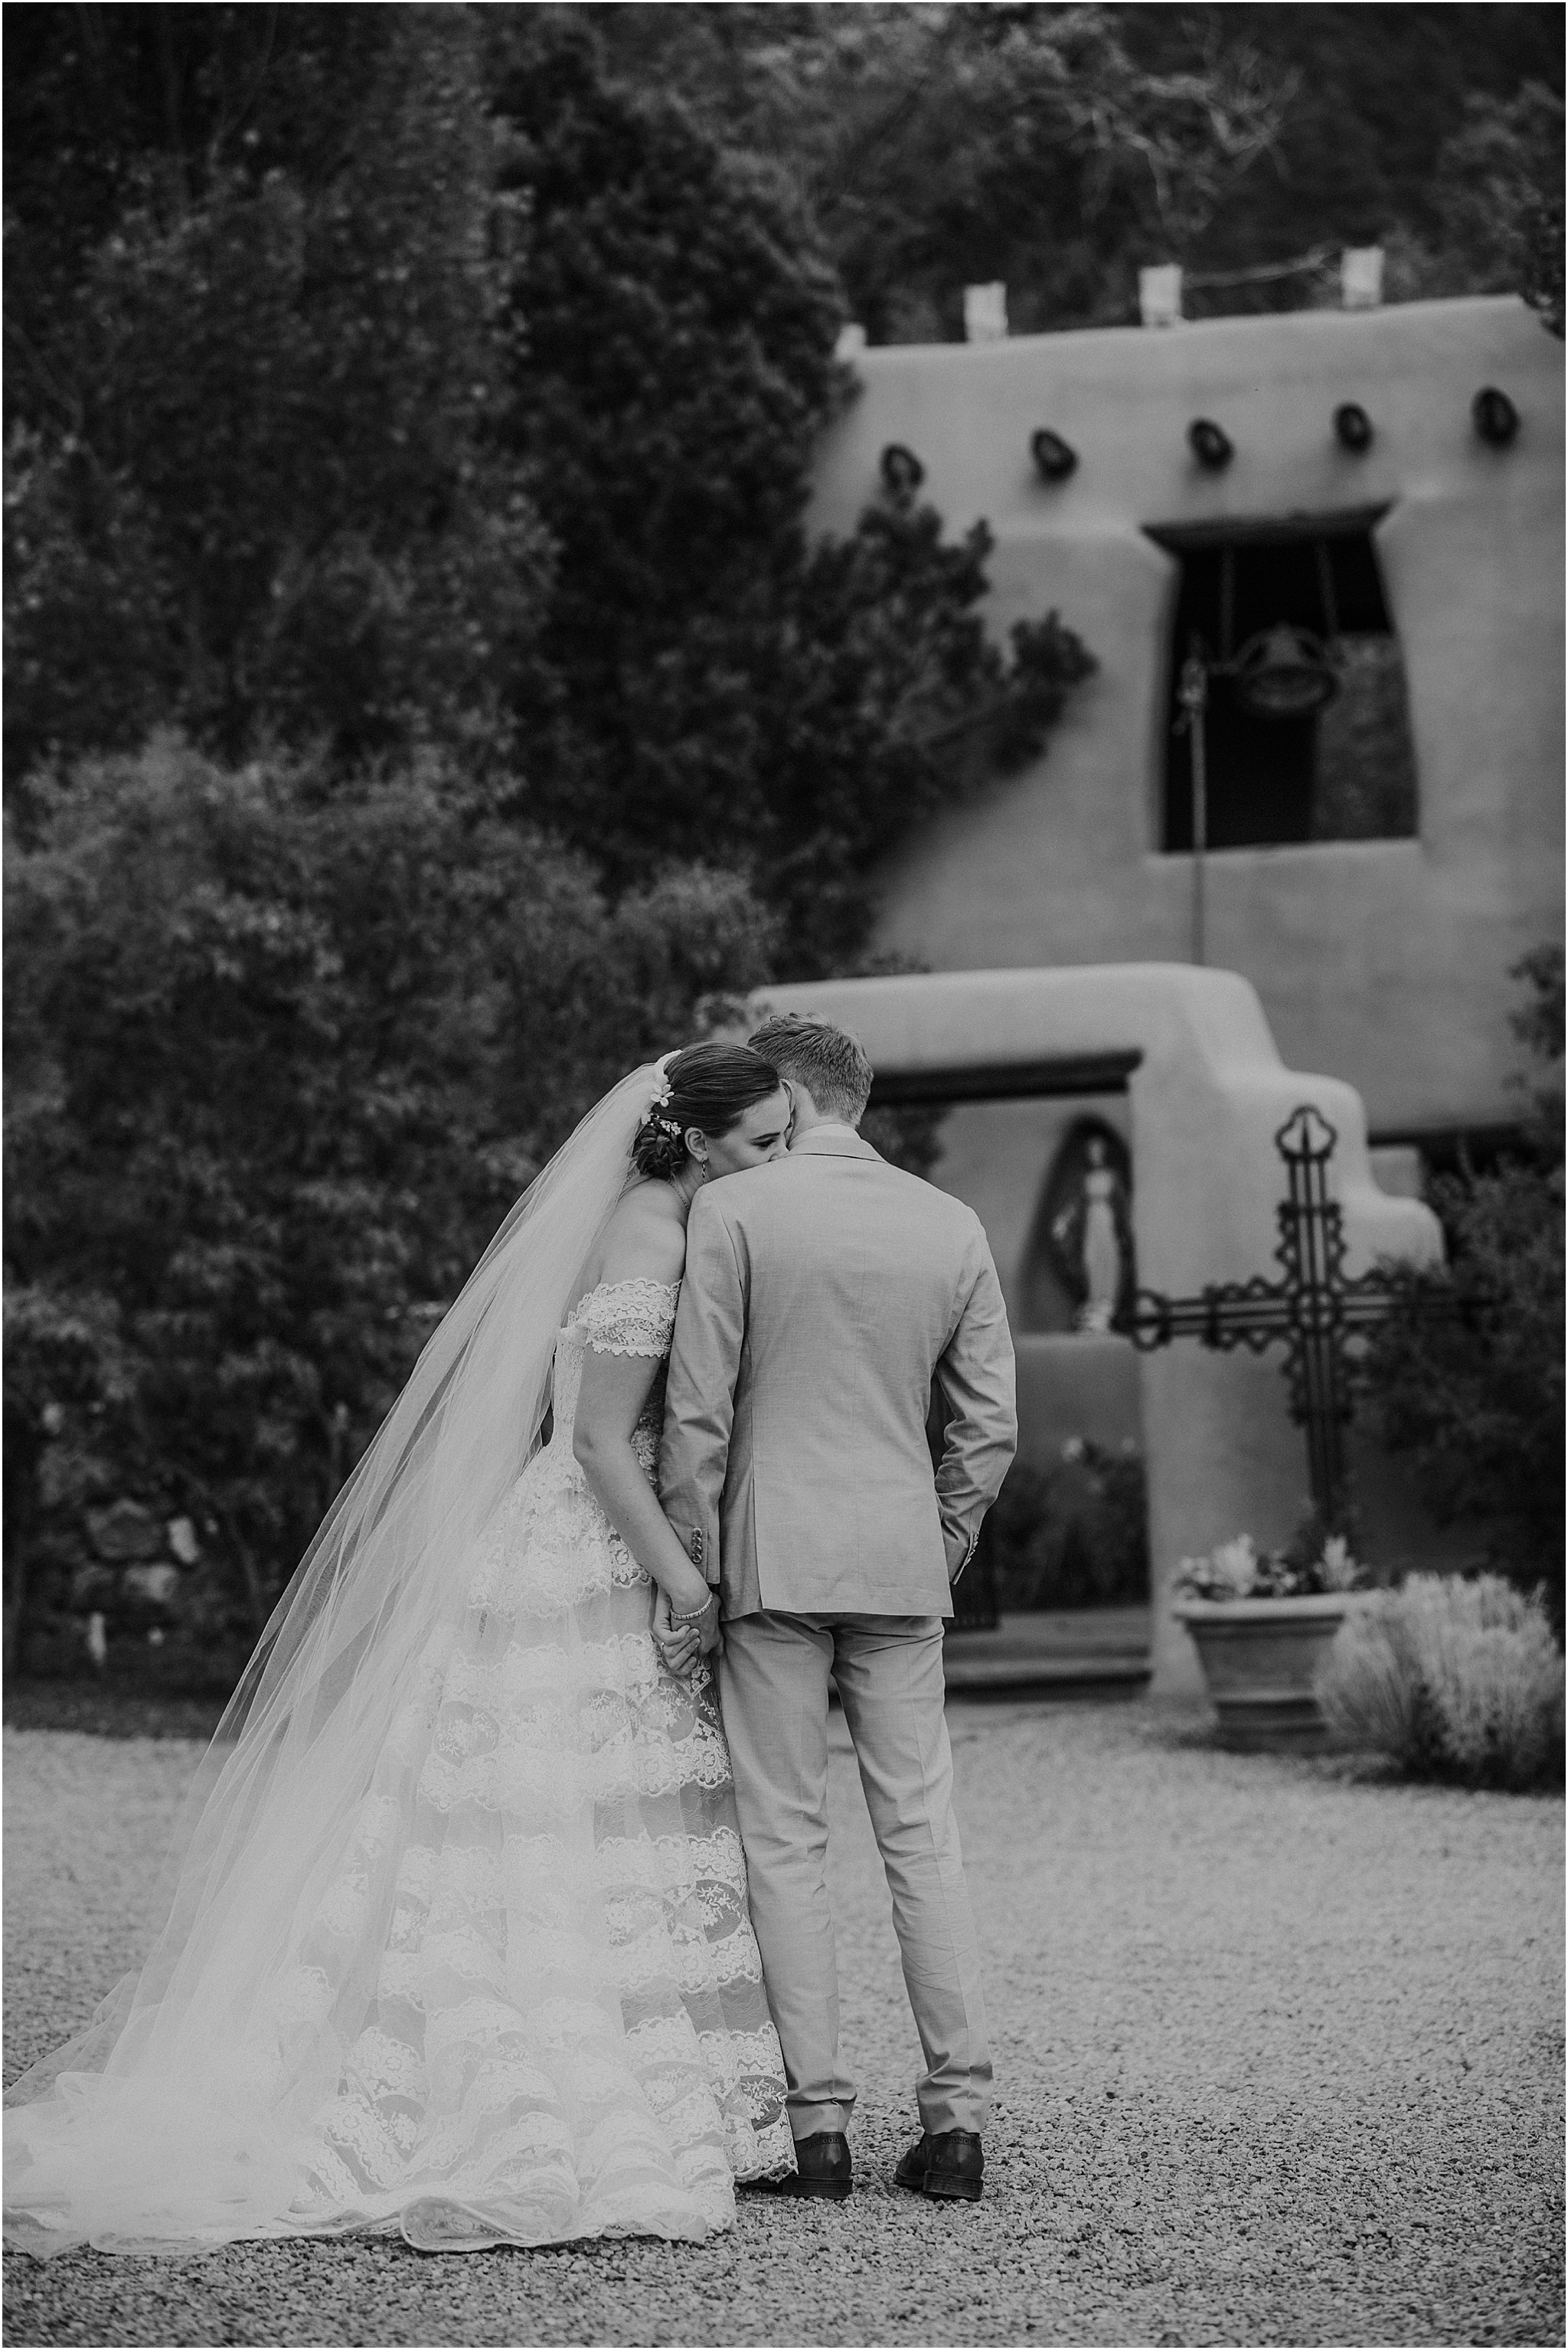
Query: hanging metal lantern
[1055,458]
[1284,672]
[902,472]
[1353,427]
[1494,416]
[1210,444]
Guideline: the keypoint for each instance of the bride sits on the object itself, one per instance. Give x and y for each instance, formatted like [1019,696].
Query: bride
[459,1943]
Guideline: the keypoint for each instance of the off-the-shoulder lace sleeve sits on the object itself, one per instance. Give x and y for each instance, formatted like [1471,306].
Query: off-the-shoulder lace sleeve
[628,1318]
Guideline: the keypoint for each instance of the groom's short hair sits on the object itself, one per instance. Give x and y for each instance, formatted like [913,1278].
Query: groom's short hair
[826,1060]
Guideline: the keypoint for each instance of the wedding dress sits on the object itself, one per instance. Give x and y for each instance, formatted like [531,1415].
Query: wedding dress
[508,1993]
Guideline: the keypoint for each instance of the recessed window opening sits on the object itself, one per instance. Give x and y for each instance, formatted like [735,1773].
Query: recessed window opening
[1347,771]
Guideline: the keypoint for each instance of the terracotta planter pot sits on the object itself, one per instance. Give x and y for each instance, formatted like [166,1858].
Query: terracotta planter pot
[1260,1657]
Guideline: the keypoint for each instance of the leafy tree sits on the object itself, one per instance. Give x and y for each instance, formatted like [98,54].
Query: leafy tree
[720,687]
[1477,1395]
[937,147]
[677,367]
[282,1049]
[254,483]
[1371,94]
[478,412]
[1498,194]
[1059,147]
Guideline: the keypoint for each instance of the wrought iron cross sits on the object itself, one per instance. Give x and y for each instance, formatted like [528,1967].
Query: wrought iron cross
[1311,1312]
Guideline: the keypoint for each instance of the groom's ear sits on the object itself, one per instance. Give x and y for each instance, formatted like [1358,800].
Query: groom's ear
[789,1096]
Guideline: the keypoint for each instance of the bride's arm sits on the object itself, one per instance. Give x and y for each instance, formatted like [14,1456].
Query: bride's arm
[613,1392]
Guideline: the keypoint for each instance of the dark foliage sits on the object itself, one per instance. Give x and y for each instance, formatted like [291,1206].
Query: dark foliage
[1377,100]
[409,434]
[720,686]
[1072,1536]
[941,146]
[1059,148]
[388,378]
[280,1055]
[1478,1395]
[255,346]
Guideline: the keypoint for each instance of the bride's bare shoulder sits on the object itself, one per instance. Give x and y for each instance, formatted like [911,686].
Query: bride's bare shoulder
[645,1240]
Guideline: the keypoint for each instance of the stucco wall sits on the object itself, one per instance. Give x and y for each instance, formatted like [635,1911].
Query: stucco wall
[1384,961]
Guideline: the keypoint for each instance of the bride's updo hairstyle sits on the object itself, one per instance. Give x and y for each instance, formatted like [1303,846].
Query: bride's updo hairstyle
[708,1086]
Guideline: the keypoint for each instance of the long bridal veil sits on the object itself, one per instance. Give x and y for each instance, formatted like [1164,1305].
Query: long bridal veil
[191,2075]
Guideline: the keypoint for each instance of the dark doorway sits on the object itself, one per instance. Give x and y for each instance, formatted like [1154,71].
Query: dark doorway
[1345,774]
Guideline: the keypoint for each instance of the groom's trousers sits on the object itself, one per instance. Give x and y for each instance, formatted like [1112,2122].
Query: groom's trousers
[774,1683]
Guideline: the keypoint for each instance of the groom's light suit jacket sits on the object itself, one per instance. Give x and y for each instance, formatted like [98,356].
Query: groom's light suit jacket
[822,1294]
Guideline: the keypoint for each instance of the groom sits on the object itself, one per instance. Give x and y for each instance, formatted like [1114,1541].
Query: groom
[822,1294]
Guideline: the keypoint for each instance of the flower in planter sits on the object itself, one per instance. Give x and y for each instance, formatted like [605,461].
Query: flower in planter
[1229,1572]
[1340,1570]
[1313,1562]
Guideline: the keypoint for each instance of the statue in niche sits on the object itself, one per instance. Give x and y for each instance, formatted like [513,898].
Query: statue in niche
[1089,1222]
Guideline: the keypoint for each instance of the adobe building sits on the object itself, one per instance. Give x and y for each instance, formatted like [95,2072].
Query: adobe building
[1373,870]
[1371,865]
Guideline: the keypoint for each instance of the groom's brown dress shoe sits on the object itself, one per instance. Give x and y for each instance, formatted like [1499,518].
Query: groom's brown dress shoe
[948,2166]
[823,2172]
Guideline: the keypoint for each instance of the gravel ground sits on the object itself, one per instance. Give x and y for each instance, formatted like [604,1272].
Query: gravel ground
[1278,2060]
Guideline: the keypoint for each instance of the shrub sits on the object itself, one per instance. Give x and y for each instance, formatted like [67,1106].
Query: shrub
[1073,1535]
[1454,1678]
[280,1056]
[1476,1394]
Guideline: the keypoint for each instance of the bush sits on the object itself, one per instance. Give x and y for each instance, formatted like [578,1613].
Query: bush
[1476,1392]
[1456,1679]
[280,1056]
[1072,1536]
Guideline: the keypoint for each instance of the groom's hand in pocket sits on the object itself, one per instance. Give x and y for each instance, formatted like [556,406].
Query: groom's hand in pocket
[961,1548]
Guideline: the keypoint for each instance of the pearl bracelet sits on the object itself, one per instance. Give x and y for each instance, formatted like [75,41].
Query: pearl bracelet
[694,1614]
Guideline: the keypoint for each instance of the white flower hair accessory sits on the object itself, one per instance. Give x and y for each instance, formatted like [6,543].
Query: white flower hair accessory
[659,1098]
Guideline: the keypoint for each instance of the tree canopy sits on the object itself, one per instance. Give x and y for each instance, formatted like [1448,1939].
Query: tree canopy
[251,488]
[1059,147]
[1475,1394]
[476,411]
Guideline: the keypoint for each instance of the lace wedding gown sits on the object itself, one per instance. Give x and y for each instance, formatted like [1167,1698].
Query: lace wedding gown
[531,1992]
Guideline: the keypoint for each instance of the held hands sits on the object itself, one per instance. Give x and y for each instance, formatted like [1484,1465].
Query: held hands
[681,1644]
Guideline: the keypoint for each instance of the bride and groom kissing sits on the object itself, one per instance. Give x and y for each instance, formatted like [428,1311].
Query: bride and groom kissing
[501,1919]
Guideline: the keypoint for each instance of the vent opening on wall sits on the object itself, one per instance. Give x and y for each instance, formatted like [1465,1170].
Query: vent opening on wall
[1347,771]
